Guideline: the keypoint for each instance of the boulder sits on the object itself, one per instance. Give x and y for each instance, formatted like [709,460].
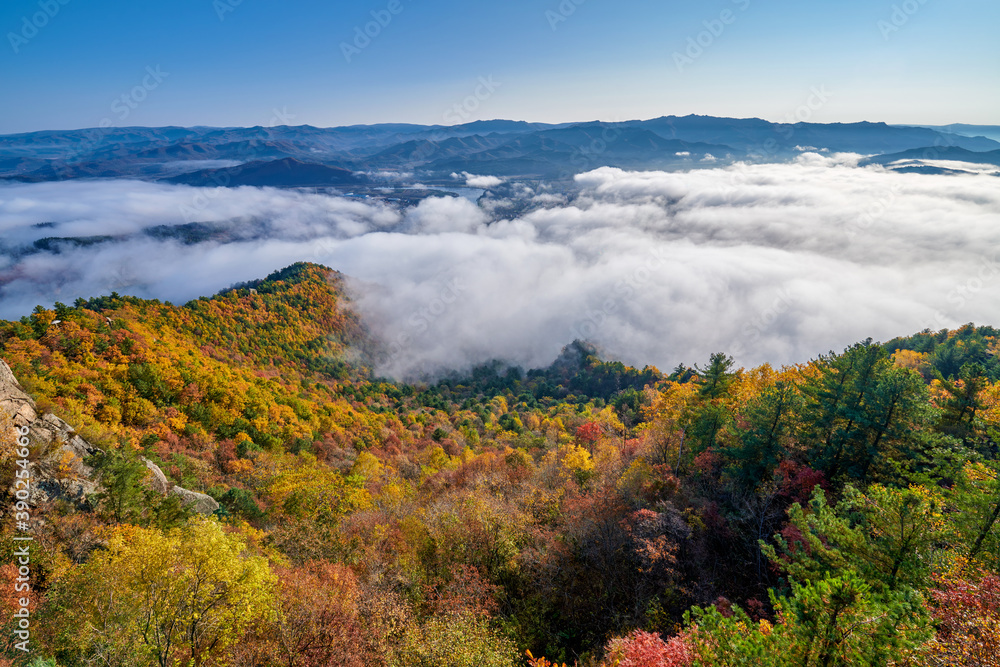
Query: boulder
[201,503]
[157,481]
[13,400]
[58,469]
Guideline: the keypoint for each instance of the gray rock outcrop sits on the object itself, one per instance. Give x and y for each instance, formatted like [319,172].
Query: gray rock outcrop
[13,400]
[200,502]
[157,481]
[57,468]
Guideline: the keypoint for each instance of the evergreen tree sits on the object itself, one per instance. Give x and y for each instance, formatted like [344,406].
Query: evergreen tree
[715,379]
[761,445]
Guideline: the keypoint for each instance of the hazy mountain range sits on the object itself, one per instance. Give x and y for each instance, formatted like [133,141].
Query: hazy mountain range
[311,156]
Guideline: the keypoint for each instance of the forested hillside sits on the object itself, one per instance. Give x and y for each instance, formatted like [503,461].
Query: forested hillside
[843,511]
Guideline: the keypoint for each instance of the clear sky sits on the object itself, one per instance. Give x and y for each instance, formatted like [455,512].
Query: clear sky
[68,63]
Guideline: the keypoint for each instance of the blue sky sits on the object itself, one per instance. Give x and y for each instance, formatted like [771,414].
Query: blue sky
[68,63]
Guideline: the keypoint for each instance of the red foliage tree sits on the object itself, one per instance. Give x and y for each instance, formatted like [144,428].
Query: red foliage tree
[647,649]
[796,481]
[317,624]
[589,432]
[966,610]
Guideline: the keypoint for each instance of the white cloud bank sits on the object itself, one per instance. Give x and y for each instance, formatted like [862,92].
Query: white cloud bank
[477,181]
[774,262]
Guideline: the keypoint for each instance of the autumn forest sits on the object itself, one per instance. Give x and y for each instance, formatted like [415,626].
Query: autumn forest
[841,511]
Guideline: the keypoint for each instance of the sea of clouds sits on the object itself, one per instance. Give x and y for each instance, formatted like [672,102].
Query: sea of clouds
[771,262]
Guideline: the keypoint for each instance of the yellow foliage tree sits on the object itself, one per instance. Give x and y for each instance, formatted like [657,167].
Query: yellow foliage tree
[8,438]
[578,462]
[67,467]
[163,598]
[316,492]
[911,359]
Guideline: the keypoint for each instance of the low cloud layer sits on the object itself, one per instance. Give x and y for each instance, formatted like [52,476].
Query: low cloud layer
[474,181]
[775,262]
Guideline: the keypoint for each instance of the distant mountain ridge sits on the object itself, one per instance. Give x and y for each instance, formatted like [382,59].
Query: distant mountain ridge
[988,131]
[286,172]
[949,153]
[500,147]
